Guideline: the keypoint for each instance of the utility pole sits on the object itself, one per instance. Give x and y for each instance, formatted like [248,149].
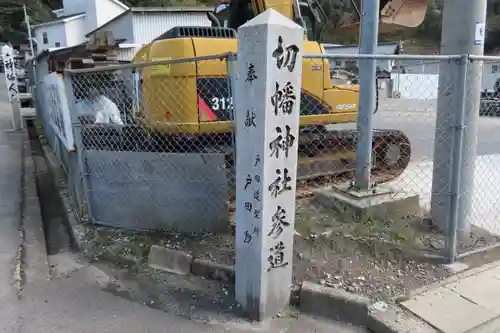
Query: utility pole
[462,33]
[28,26]
[367,97]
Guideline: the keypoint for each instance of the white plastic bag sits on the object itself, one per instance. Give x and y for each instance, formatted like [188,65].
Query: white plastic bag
[102,108]
[106,111]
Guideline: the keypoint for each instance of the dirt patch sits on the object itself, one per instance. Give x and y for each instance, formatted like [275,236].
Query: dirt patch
[380,259]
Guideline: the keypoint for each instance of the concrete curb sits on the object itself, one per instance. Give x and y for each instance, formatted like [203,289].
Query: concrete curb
[213,271]
[334,304]
[54,168]
[78,229]
[183,263]
[384,318]
[172,261]
[36,265]
[454,278]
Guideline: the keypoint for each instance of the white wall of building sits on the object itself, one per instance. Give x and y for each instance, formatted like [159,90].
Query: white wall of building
[56,33]
[99,12]
[425,86]
[149,25]
[122,28]
[72,7]
[127,51]
[415,86]
[74,30]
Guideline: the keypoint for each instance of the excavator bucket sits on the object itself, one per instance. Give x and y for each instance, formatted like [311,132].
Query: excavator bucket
[394,15]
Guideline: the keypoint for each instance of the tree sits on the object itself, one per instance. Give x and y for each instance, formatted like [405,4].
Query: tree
[12,25]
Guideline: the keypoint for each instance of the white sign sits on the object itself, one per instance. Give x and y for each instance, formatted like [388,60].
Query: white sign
[10,72]
[267,137]
[480,33]
[58,109]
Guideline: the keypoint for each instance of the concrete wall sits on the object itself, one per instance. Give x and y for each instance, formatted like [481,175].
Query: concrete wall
[141,190]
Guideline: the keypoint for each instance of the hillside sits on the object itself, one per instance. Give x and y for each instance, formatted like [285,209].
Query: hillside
[428,34]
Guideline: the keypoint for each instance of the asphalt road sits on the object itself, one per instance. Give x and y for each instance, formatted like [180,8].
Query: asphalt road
[417,119]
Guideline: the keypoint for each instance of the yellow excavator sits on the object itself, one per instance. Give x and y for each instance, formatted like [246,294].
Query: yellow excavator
[187,107]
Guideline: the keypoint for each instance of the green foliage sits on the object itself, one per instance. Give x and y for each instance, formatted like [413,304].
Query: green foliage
[492,26]
[12,25]
[13,29]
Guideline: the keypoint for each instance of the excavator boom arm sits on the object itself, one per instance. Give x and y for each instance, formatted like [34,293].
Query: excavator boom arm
[394,14]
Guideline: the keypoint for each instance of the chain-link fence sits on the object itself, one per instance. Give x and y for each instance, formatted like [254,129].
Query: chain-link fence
[46,111]
[151,152]
[403,149]
[154,148]
[430,148]
[480,163]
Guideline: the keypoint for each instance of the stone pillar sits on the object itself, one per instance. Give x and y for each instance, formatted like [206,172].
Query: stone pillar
[11,85]
[17,119]
[267,109]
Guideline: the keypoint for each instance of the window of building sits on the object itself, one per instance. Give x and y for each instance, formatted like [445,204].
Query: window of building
[57,44]
[494,69]
[45,38]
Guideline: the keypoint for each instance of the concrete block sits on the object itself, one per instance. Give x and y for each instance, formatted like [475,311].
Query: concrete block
[172,261]
[384,318]
[448,311]
[334,304]
[212,270]
[473,289]
[384,203]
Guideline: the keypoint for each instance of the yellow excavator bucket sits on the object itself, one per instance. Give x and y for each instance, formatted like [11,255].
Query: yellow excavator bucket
[395,15]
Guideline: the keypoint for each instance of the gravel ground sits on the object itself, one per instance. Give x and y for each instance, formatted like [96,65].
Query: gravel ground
[379,259]
[368,259]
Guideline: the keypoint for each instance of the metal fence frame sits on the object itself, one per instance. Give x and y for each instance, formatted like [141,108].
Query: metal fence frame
[79,182]
[77,126]
[67,159]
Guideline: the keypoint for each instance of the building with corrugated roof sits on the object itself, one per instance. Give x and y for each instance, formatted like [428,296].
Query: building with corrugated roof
[140,25]
[78,20]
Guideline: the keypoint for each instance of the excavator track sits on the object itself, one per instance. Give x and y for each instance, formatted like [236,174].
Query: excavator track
[325,157]
[328,158]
